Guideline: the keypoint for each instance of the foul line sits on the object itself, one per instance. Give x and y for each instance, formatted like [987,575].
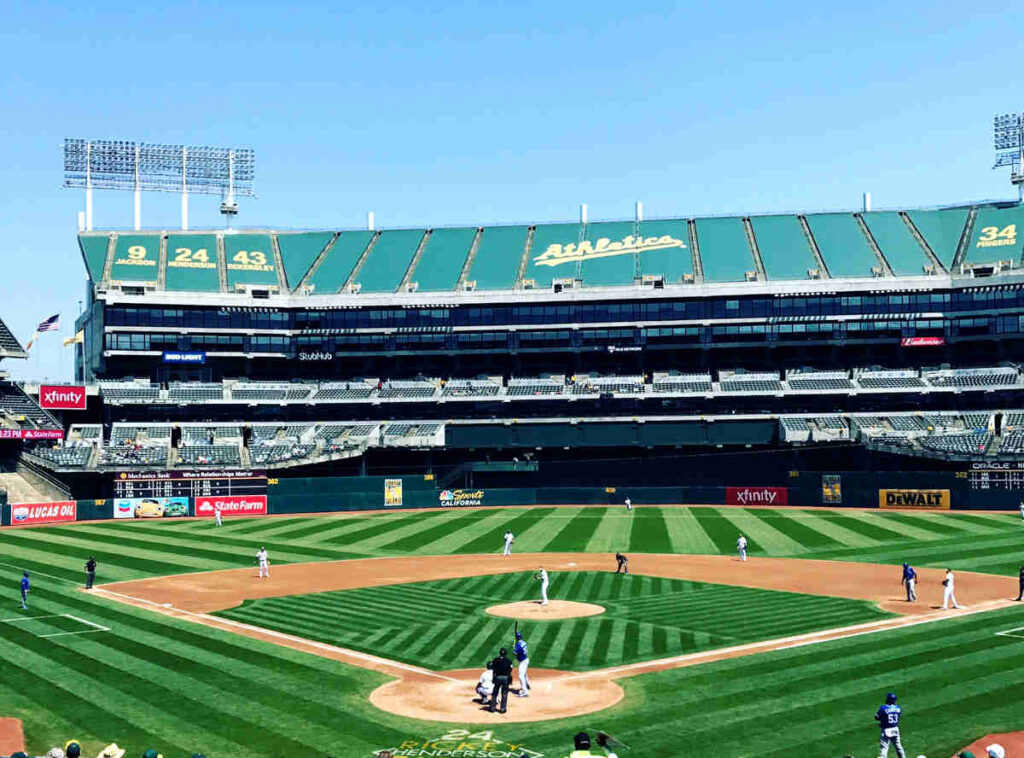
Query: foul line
[1010,633]
[167,609]
[786,643]
[96,627]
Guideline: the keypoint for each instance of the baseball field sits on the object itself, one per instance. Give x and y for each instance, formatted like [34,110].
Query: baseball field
[372,626]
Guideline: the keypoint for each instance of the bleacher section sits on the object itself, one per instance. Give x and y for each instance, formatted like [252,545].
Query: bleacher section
[819,381]
[9,346]
[209,455]
[125,393]
[134,455]
[750,384]
[343,391]
[518,387]
[140,434]
[75,456]
[194,393]
[988,377]
[471,388]
[268,391]
[973,444]
[408,389]
[19,409]
[682,384]
[600,385]
[889,380]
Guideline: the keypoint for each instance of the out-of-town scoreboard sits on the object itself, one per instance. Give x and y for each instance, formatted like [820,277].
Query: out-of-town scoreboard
[219,483]
[996,475]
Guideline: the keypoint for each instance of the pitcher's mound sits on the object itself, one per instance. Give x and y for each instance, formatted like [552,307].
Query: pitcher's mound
[553,611]
[450,697]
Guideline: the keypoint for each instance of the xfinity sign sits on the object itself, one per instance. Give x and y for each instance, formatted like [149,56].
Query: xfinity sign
[62,398]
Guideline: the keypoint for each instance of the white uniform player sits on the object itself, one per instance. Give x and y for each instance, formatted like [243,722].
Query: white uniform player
[216,514]
[1022,510]
[264,561]
[509,539]
[485,686]
[947,591]
[629,504]
[741,545]
[543,576]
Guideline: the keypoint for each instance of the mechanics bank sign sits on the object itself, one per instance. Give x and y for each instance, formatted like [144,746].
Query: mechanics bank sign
[556,255]
[62,398]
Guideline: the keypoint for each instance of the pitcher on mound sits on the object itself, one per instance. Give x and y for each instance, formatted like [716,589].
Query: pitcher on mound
[543,576]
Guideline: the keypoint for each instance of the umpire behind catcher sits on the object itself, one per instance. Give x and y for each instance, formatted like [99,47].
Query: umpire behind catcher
[502,667]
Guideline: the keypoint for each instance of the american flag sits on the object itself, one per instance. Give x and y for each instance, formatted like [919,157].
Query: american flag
[51,324]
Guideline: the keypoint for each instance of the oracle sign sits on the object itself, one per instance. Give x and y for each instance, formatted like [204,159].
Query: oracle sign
[756,495]
[62,398]
[232,505]
[43,513]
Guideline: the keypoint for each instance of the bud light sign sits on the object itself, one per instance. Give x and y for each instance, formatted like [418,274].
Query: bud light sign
[177,356]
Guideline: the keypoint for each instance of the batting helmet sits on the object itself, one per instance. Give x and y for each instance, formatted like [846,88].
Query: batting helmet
[519,635]
[890,698]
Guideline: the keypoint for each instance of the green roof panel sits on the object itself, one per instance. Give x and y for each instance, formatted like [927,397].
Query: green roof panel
[298,251]
[842,244]
[666,249]
[136,257]
[388,260]
[94,252]
[249,259]
[553,254]
[441,262]
[192,263]
[497,258]
[785,251]
[724,251]
[336,266]
[897,243]
[609,253]
[941,230]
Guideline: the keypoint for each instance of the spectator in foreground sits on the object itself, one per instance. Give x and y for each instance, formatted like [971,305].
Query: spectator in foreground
[995,751]
[72,749]
[111,751]
[55,752]
[151,753]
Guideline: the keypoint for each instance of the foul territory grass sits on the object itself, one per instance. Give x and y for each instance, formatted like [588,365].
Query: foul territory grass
[442,624]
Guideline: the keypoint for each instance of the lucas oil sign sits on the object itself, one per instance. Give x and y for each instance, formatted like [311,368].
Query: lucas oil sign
[914,499]
[43,513]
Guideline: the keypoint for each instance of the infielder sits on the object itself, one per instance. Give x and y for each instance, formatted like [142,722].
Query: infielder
[622,563]
[25,589]
[1020,584]
[485,686]
[509,539]
[947,591]
[909,581]
[264,562]
[216,514]
[741,546]
[888,718]
[522,654]
[543,576]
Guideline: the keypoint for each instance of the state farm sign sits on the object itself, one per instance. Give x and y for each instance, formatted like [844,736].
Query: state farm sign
[43,513]
[232,505]
[62,398]
[31,434]
[756,496]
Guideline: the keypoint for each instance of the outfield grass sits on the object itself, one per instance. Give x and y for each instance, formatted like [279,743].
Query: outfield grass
[152,680]
[442,624]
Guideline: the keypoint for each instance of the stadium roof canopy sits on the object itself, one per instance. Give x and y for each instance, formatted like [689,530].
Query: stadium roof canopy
[884,246]
[9,347]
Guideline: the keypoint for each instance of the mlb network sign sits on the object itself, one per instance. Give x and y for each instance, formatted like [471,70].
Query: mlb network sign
[62,398]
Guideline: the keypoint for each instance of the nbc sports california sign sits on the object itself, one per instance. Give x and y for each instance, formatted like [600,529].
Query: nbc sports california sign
[456,498]
[556,254]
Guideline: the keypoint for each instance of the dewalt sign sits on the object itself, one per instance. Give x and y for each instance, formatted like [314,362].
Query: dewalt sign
[914,499]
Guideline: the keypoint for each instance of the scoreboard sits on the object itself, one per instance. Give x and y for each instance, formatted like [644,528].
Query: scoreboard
[996,475]
[213,483]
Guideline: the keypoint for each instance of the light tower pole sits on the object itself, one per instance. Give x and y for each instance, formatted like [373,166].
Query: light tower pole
[1008,140]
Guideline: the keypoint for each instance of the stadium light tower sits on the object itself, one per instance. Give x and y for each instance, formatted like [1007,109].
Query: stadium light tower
[1008,136]
[138,166]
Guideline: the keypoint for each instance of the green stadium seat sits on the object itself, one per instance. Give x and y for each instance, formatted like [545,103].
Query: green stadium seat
[897,243]
[843,246]
[724,251]
[94,252]
[249,259]
[192,263]
[440,265]
[552,255]
[298,251]
[604,267]
[672,257]
[998,234]
[941,230]
[388,260]
[136,257]
[337,265]
[784,248]
[497,258]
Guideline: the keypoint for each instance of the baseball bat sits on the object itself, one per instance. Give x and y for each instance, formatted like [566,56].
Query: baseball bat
[516,633]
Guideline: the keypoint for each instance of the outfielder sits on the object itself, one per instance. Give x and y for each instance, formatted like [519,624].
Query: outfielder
[485,686]
[522,653]
[543,576]
[888,718]
[509,539]
[947,591]
[629,505]
[909,581]
[264,561]
[741,546]
[216,514]
[25,589]
[1022,510]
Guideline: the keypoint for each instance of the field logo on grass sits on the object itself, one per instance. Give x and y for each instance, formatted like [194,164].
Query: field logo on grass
[756,496]
[456,498]
[458,742]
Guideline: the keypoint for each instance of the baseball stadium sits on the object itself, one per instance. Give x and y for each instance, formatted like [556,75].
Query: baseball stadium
[691,486]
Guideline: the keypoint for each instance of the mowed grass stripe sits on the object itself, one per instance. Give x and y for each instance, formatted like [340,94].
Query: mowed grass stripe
[378,525]
[905,528]
[612,531]
[453,523]
[721,532]
[685,533]
[649,533]
[762,536]
[802,530]
[518,520]
[486,523]
[577,533]
[374,537]
[874,529]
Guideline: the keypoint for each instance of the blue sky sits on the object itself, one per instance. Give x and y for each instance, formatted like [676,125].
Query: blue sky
[430,114]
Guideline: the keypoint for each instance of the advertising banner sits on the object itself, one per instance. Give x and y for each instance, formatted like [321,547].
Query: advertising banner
[831,489]
[31,434]
[392,492]
[757,496]
[914,499]
[43,513]
[170,476]
[923,341]
[62,398]
[179,356]
[150,507]
[457,498]
[232,505]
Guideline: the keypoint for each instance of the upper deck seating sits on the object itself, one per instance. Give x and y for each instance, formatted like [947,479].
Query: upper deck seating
[525,387]
[339,434]
[74,456]
[280,433]
[889,380]
[265,455]
[210,434]
[195,393]
[961,444]
[410,389]
[822,381]
[830,423]
[1013,443]
[23,409]
[8,344]
[620,385]
[683,384]
[343,391]
[124,393]
[750,383]
[979,420]
[907,423]
[986,377]
[470,388]
[134,455]
[126,434]
[210,455]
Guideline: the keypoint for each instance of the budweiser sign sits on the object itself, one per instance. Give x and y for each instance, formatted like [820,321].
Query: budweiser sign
[756,496]
[923,341]
[232,505]
[31,434]
[43,513]
[62,398]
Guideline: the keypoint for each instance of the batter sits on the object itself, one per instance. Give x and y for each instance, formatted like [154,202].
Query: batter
[522,654]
